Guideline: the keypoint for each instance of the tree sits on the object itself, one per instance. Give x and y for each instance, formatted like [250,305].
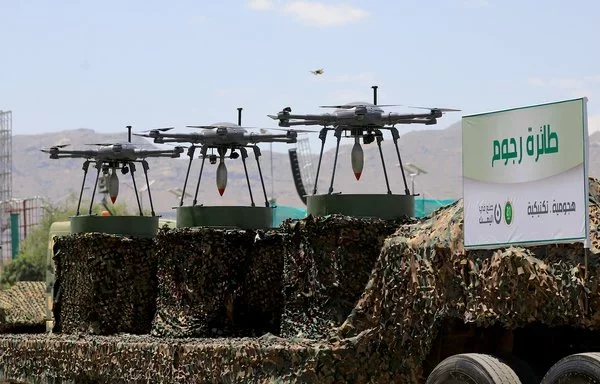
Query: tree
[30,262]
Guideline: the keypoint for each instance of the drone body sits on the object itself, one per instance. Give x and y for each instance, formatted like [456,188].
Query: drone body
[229,140]
[109,158]
[359,120]
[358,115]
[218,135]
[117,152]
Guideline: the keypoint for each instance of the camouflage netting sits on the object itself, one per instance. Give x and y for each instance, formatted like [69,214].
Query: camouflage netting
[327,264]
[214,282]
[424,276]
[105,284]
[421,277]
[22,307]
[143,359]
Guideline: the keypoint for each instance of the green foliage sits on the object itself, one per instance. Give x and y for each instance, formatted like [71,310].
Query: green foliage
[30,263]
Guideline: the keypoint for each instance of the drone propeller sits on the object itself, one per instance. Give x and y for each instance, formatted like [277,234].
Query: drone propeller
[100,144]
[159,129]
[346,106]
[60,146]
[202,126]
[438,109]
[220,126]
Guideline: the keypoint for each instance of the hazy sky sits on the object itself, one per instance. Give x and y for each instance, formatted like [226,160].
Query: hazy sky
[104,65]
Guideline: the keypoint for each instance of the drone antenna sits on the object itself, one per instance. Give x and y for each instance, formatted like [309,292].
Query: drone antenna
[240,116]
[129,133]
[374,94]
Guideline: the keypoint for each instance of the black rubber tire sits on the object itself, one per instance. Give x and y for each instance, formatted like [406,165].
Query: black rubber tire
[580,368]
[472,368]
[522,369]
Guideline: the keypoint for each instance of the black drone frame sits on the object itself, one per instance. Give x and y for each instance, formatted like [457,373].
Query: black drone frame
[127,166]
[222,151]
[372,134]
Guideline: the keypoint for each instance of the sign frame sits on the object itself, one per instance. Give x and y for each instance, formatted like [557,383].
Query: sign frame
[505,115]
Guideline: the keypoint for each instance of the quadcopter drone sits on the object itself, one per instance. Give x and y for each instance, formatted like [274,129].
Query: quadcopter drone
[228,140]
[359,120]
[108,158]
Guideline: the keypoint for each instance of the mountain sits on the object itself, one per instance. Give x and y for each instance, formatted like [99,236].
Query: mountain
[436,151]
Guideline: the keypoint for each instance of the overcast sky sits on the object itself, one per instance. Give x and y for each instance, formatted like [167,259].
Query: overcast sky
[106,64]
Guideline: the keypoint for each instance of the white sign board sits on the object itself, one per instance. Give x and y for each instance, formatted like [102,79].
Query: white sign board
[525,175]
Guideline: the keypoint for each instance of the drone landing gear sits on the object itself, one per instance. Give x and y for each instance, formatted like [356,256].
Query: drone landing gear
[145,166]
[338,135]
[190,153]
[98,167]
[262,182]
[203,154]
[86,165]
[137,197]
[379,137]
[395,137]
[244,155]
[322,136]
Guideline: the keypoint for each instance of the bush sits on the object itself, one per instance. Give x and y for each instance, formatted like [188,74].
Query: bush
[30,263]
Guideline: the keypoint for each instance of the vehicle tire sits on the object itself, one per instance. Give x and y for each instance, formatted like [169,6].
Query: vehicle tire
[472,368]
[522,369]
[580,368]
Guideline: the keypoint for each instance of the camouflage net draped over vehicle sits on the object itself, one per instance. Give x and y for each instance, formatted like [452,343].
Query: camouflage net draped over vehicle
[215,283]
[142,359]
[328,261]
[22,307]
[105,284]
[421,277]
[424,276]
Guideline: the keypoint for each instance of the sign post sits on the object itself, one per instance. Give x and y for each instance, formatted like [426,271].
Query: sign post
[525,176]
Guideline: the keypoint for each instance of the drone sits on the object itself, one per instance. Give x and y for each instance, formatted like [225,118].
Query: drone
[110,157]
[360,120]
[227,140]
[319,71]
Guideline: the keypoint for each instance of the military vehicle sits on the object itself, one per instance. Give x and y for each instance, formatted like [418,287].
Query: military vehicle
[325,299]
[424,310]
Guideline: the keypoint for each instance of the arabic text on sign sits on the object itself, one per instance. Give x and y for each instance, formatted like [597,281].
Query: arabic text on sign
[545,142]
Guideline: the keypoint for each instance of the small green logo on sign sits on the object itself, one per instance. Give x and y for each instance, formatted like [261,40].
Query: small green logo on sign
[508,213]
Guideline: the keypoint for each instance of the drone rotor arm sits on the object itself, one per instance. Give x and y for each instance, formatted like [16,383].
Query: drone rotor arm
[202,126]
[159,152]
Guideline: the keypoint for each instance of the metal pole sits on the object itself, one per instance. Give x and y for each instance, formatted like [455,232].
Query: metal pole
[24,218]
[14,234]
